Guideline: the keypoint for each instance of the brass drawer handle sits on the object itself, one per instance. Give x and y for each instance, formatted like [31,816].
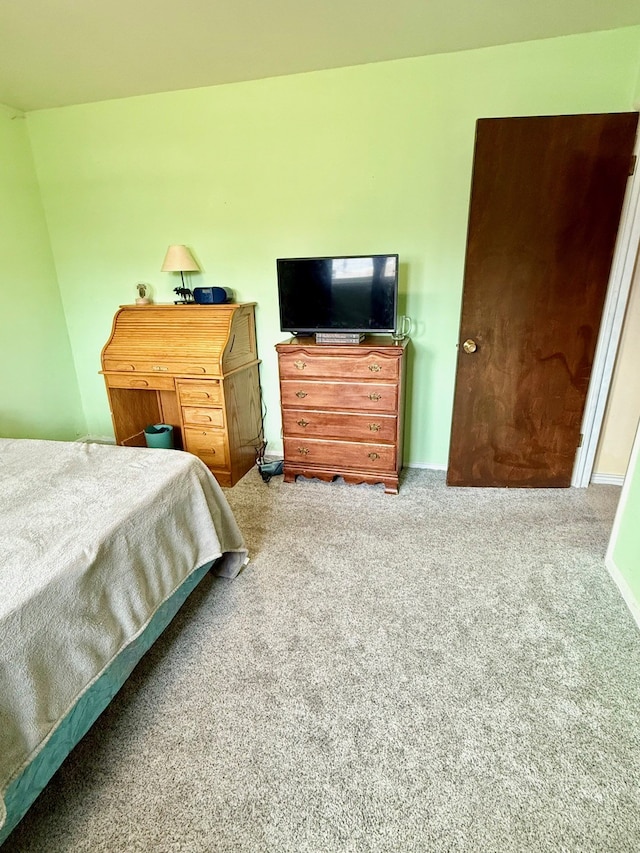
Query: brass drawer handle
[373,456]
[159,367]
[374,427]
[300,364]
[303,451]
[375,368]
[375,396]
[301,394]
[302,422]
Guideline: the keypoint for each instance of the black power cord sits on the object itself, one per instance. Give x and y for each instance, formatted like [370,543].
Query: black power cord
[267,469]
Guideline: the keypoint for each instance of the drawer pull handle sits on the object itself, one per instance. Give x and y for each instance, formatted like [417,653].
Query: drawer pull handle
[300,364]
[301,394]
[374,456]
[303,423]
[159,367]
[375,368]
[375,396]
[141,383]
[303,451]
[374,427]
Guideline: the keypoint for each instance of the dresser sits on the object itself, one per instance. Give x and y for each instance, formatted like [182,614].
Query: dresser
[342,409]
[194,367]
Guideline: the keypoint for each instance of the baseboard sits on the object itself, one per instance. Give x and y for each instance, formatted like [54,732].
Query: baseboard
[607,479]
[96,439]
[596,479]
[431,466]
[625,590]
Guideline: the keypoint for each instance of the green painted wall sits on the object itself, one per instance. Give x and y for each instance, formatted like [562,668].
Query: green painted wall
[374,158]
[625,544]
[39,394]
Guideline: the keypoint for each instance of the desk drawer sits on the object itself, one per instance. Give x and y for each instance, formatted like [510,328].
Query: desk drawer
[209,445]
[356,427]
[365,366]
[340,454]
[341,396]
[148,382]
[201,416]
[193,393]
[173,368]
[181,368]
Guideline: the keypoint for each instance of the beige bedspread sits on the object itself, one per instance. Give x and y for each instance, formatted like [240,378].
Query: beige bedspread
[93,539]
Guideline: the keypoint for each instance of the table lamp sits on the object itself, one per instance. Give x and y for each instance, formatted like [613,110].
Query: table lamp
[179,259]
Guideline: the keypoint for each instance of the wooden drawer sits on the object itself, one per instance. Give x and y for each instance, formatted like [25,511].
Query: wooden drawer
[340,454]
[199,416]
[209,445]
[341,396]
[152,383]
[365,366]
[339,425]
[172,368]
[193,393]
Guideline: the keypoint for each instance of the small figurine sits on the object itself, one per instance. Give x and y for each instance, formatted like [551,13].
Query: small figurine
[143,293]
[186,295]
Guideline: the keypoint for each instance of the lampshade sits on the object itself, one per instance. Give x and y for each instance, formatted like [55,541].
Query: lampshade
[179,259]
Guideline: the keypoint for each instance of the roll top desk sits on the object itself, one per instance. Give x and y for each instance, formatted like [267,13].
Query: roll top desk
[194,367]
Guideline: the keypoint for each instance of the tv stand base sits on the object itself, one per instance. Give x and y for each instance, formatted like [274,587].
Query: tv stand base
[339,338]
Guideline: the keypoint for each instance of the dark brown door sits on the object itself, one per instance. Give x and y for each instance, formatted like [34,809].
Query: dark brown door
[546,199]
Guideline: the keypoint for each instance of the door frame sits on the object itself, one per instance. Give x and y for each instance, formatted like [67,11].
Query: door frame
[625,590]
[622,269]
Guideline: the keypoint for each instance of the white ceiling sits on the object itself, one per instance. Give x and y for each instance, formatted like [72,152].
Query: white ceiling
[59,52]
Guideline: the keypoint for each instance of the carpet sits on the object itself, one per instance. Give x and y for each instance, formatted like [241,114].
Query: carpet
[441,670]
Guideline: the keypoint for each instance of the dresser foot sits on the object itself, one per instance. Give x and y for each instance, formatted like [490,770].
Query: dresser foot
[350,478]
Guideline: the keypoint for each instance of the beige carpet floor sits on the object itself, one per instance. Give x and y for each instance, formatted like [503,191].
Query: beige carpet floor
[442,670]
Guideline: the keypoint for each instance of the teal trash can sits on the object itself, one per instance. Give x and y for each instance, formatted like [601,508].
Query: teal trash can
[159,435]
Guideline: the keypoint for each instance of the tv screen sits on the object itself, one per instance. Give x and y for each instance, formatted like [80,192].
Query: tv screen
[355,293]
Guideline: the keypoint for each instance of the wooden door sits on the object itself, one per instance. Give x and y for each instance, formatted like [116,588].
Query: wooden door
[546,199]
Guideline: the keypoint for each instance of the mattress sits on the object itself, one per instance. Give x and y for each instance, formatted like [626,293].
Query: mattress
[96,541]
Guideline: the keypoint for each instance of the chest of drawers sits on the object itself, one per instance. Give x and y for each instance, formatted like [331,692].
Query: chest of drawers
[342,410]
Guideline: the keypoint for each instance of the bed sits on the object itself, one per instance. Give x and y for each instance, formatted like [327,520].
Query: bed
[99,547]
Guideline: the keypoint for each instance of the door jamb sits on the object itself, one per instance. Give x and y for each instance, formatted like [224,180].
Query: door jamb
[622,270]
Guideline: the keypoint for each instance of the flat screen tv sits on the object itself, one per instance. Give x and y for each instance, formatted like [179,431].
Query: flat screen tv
[348,294]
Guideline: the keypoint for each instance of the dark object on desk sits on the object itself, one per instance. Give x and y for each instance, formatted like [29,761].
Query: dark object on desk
[186,296]
[212,295]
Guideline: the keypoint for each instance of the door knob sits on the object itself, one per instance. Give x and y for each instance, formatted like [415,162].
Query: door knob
[469,346]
